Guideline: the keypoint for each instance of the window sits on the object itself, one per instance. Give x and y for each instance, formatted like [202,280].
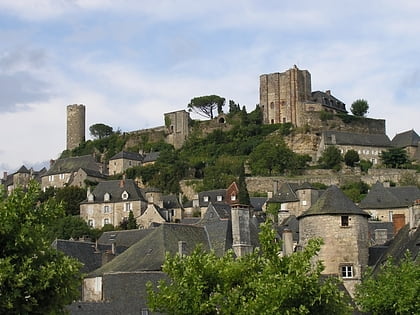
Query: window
[106,221]
[144,311]
[107,197]
[61,176]
[206,198]
[347,271]
[233,197]
[272,105]
[219,198]
[124,195]
[344,220]
[51,178]
[106,209]
[127,206]
[90,223]
[390,214]
[304,203]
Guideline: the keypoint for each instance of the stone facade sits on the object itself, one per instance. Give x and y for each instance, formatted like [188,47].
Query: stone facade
[76,122]
[343,245]
[177,124]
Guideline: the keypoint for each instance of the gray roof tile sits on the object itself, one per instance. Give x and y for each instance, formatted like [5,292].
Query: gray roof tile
[347,138]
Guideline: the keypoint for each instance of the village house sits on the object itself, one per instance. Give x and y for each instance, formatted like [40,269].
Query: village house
[124,160]
[111,202]
[368,146]
[73,171]
[410,141]
[386,203]
[21,178]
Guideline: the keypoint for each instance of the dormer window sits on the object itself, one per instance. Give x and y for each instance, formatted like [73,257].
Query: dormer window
[107,197]
[219,198]
[206,198]
[233,197]
[91,197]
[124,195]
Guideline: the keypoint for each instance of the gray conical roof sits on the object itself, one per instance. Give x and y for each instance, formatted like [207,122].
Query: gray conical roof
[333,202]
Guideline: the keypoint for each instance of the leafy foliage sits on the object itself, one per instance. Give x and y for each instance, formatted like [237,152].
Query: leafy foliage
[99,131]
[359,107]
[130,223]
[351,158]
[394,290]
[395,158]
[356,191]
[205,105]
[34,277]
[243,195]
[365,165]
[331,158]
[203,283]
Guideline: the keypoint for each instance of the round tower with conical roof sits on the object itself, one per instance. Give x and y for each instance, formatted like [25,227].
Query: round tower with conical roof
[344,228]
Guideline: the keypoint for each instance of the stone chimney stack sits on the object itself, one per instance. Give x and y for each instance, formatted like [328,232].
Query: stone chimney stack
[287,242]
[182,248]
[241,234]
[4,175]
[381,236]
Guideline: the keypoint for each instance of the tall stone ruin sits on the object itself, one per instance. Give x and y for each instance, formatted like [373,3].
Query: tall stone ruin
[76,121]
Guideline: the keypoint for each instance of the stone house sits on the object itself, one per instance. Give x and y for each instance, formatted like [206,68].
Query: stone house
[150,216]
[72,171]
[410,141]
[368,146]
[21,178]
[111,202]
[150,158]
[344,228]
[122,161]
[387,203]
[292,198]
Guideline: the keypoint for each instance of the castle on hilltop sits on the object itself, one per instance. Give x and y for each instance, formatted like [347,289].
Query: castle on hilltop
[287,97]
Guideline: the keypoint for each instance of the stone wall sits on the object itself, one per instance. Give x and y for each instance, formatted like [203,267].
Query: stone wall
[76,124]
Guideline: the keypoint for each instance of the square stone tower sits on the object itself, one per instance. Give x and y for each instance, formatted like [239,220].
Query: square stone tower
[282,96]
[76,121]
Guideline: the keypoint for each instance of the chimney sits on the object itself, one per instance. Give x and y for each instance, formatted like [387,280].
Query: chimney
[282,215]
[328,92]
[182,248]
[4,175]
[52,162]
[241,235]
[287,245]
[122,181]
[381,236]
[398,221]
[414,215]
[275,187]
[269,194]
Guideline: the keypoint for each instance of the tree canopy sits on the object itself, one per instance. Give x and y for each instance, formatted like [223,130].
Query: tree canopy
[359,107]
[205,105]
[331,158]
[34,277]
[262,282]
[394,158]
[351,158]
[393,290]
[99,131]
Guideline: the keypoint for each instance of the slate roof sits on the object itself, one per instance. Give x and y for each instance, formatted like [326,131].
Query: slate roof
[128,156]
[212,196]
[328,100]
[123,238]
[72,164]
[374,225]
[285,193]
[85,252]
[347,138]
[170,202]
[406,139]
[292,224]
[333,202]
[148,254]
[113,187]
[401,243]
[22,169]
[257,202]
[380,197]
[151,157]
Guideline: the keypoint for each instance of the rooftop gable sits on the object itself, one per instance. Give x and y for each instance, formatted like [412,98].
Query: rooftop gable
[134,156]
[73,164]
[406,139]
[348,138]
[115,188]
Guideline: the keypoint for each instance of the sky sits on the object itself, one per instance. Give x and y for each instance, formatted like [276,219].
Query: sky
[130,61]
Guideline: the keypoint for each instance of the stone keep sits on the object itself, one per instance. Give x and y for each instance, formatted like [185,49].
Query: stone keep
[282,96]
[76,120]
[344,229]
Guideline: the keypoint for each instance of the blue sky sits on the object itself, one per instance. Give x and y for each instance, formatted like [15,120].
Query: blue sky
[130,61]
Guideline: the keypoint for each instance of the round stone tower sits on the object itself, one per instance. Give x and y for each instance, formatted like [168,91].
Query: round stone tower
[344,228]
[76,120]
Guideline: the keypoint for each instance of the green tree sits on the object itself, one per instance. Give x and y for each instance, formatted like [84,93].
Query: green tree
[205,105]
[71,227]
[331,158]
[393,290]
[99,131]
[351,158]
[71,196]
[131,222]
[356,191]
[243,195]
[34,277]
[394,158]
[359,107]
[203,283]
[365,165]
